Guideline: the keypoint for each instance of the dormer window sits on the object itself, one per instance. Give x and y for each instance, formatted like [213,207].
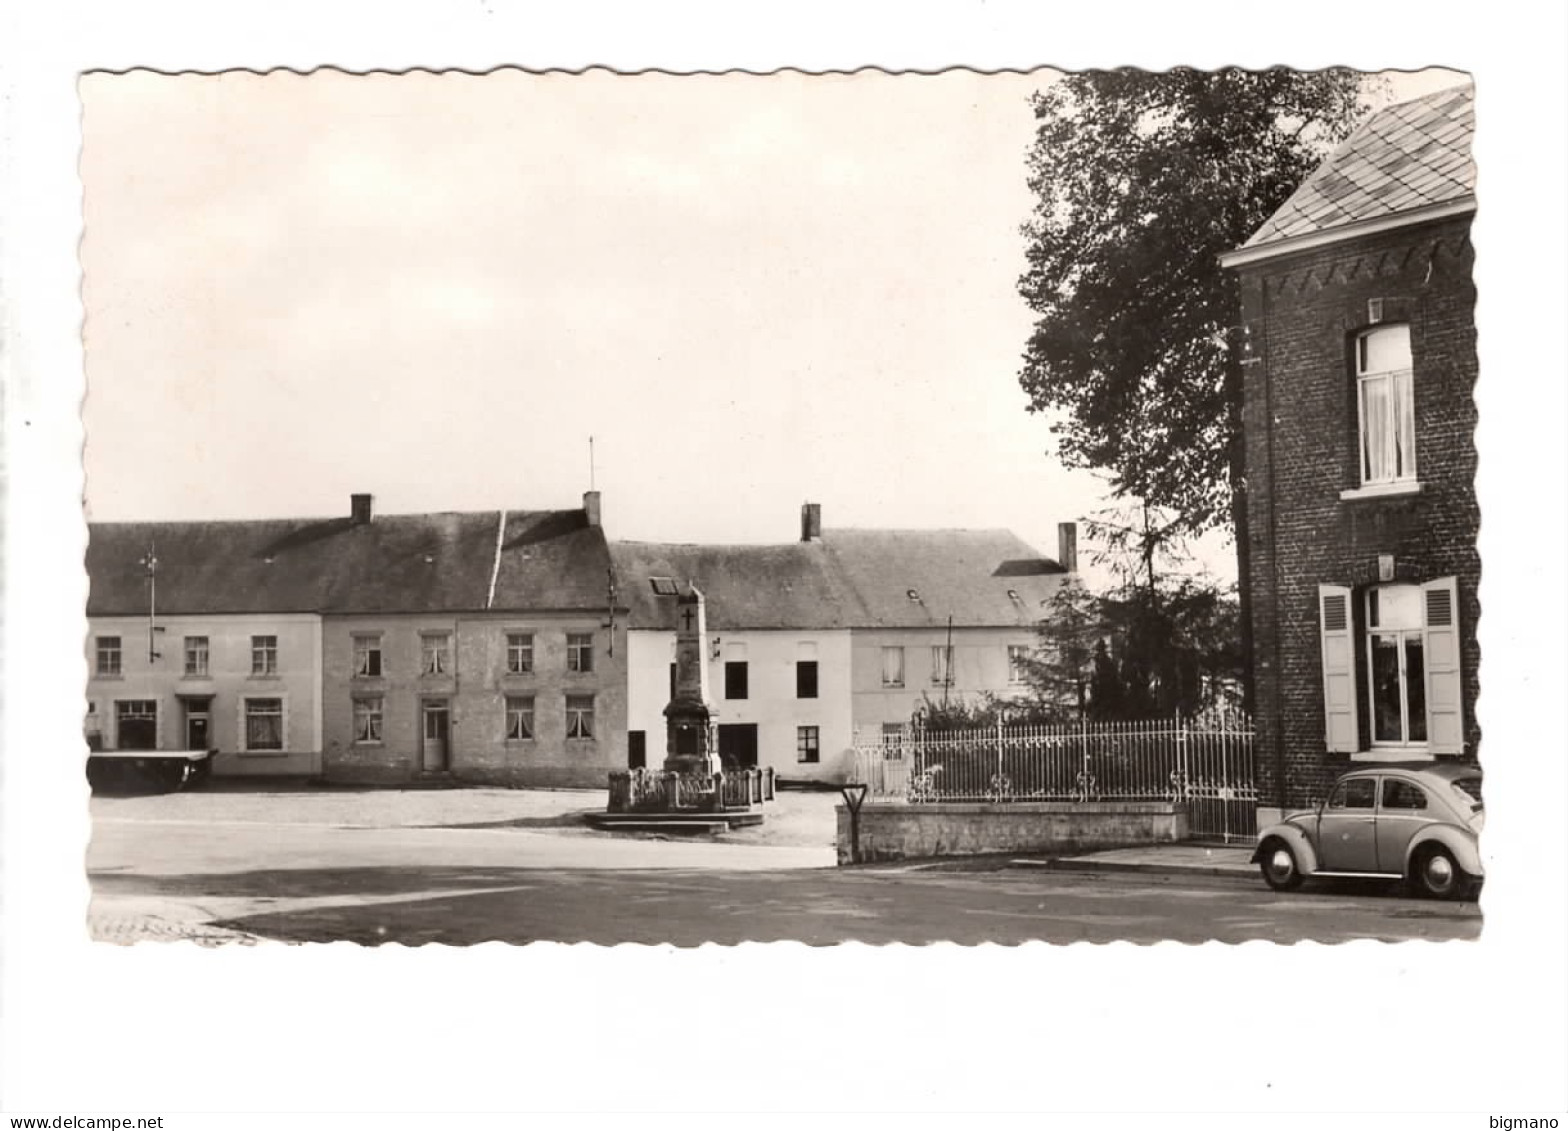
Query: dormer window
[664,586]
[913,594]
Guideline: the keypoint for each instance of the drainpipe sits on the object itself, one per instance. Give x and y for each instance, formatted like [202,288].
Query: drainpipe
[1268,407]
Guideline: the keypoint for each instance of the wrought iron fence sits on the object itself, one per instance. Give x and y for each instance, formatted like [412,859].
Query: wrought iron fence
[1204,762]
[664,791]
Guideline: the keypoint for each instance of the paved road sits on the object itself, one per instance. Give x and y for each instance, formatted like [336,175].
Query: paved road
[221,879]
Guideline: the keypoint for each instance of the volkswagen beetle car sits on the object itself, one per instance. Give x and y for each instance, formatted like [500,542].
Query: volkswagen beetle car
[1420,823]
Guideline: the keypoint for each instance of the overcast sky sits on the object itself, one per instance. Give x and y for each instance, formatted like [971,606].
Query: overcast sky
[751,291]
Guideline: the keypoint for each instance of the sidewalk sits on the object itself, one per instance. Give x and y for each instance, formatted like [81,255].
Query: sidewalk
[1163,859]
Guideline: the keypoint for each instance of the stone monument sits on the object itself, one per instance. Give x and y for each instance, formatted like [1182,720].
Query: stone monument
[690,792]
[688,720]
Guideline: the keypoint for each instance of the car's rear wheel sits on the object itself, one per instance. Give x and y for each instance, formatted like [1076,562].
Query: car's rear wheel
[1436,874]
[1280,870]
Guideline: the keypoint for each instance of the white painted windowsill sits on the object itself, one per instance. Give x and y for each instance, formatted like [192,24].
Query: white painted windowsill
[1382,490]
[1401,754]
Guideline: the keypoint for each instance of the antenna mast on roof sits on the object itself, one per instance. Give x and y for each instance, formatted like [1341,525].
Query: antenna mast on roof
[150,564]
[591,485]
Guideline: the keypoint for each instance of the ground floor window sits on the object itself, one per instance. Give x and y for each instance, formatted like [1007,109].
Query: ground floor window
[579,716]
[520,717]
[367,719]
[1396,665]
[892,742]
[263,724]
[136,724]
[808,744]
[1402,656]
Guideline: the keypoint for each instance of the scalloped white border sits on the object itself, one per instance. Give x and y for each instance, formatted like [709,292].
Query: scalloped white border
[1156,1029]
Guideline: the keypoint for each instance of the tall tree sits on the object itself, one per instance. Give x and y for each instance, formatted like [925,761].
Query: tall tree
[1143,179]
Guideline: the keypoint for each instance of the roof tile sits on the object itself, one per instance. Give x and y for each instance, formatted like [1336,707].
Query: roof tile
[1405,156]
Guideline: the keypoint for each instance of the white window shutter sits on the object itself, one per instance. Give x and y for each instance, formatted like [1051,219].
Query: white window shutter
[1445,722]
[1340,733]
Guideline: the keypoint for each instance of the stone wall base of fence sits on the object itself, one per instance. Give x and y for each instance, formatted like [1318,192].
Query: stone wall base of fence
[896,831]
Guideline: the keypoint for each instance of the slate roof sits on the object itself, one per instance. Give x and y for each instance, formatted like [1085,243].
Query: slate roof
[850,579]
[771,586]
[965,574]
[393,564]
[1407,156]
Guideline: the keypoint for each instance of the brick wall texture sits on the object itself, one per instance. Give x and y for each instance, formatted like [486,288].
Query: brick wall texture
[1303,313]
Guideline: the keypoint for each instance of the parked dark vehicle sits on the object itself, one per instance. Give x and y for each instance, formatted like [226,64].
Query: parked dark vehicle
[1420,823]
[147,771]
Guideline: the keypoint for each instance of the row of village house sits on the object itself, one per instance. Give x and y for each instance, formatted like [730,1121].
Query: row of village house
[527,648]
[524,647]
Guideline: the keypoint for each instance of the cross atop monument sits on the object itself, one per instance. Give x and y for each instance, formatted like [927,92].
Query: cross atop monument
[687,616]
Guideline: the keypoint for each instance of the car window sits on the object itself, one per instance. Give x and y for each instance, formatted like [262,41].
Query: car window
[1469,790]
[1401,794]
[1357,793]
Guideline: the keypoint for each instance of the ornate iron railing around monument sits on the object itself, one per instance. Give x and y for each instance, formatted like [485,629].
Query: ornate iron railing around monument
[647,790]
[1203,762]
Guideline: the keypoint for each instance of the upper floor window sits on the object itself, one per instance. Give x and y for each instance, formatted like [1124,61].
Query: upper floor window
[579,651]
[367,655]
[519,652]
[893,667]
[1385,395]
[1017,663]
[941,665]
[435,651]
[263,655]
[737,679]
[805,679]
[108,655]
[196,655]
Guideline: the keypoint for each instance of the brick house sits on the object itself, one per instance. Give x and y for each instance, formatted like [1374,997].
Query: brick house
[1357,306]
[478,645]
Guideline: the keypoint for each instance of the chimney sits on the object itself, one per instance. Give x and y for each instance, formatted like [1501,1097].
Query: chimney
[811,522]
[1067,545]
[591,507]
[359,509]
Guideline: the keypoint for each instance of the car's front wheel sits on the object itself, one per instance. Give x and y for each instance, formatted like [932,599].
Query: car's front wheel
[1280,870]
[1435,873]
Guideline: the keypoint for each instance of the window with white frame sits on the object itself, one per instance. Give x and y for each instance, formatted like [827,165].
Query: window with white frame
[579,716]
[579,651]
[1404,657]
[893,667]
[520,717]
[367,655]
[1396,665]
[367,719]
[1017,663]
[263,724]
[197,650]
[942,665]
[263,655]
[136,724]
[808,744]
[108,648]
[519,653]
[435,653]
[1385,397]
